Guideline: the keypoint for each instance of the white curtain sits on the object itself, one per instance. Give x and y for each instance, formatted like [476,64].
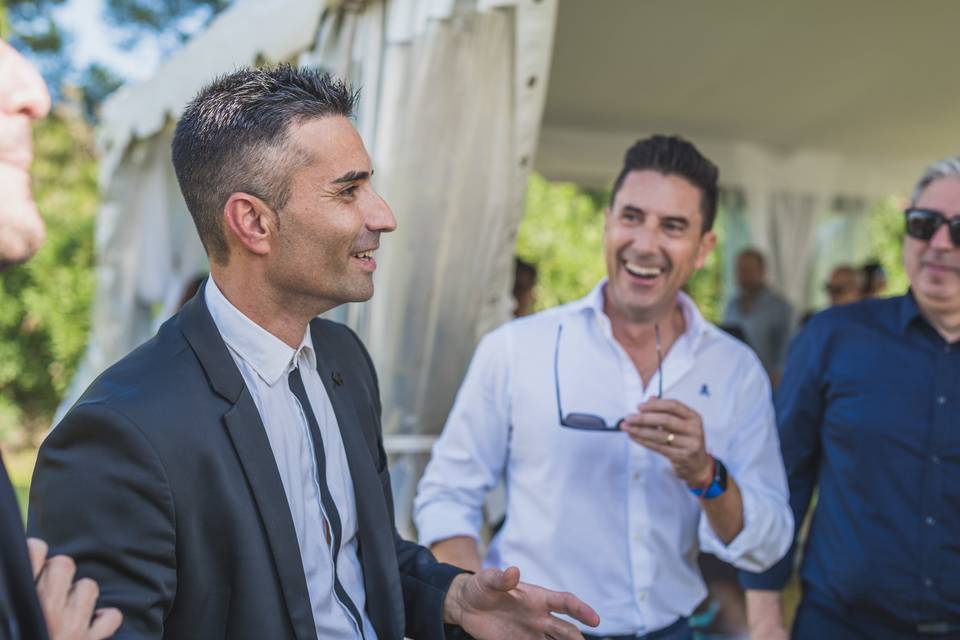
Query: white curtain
[147,252]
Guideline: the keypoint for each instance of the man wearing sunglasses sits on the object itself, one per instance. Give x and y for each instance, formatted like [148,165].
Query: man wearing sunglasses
[869,412]
[631,432]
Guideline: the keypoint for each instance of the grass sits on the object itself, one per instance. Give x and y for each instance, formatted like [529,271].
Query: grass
[20,465]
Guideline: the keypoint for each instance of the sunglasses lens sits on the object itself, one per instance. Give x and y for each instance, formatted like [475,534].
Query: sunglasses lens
[955,231]
[922,224]
[585,421]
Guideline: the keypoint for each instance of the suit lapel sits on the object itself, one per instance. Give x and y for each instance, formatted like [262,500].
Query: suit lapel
[245,429]
[375,529]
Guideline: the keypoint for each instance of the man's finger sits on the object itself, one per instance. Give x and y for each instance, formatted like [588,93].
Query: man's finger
[105,623]
[671,442]
[561,630]
[571,605]
[665,420]
[54,583]
[667,406]
[83,596]
[499,580]
[37,550]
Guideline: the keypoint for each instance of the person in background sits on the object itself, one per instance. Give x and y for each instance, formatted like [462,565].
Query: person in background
[845,285]
[524,287]
[868,412]
[764,315]
[874,280]
[65,609]
[632,433]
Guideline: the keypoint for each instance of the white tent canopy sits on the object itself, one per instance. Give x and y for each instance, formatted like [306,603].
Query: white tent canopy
[800,104]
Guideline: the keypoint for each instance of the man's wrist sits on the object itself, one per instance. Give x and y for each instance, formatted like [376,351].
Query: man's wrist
[705,479]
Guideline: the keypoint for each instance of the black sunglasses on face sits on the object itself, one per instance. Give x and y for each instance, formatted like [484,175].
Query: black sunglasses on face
[589,421]
[922,224]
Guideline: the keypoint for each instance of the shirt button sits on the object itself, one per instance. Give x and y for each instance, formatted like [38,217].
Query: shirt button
[636,476]
[941,400]
[636,537]
[935,459]
[946,349]
[928,583]
[930,520]
[642,596]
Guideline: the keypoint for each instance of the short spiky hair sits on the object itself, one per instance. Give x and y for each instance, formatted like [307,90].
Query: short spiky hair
[234,136]
[674,156]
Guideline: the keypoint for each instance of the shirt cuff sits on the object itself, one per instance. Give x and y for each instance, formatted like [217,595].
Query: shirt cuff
[765,537]
[439,522]
[773,579]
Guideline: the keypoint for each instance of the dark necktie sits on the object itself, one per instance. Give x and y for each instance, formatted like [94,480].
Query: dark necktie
[326,498]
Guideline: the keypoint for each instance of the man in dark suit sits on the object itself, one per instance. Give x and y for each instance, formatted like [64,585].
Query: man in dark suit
[227,479]
[67,608]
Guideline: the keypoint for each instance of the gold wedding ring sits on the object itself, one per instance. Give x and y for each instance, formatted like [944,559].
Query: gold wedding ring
[670,437]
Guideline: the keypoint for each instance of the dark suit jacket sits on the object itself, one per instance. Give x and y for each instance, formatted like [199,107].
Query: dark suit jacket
[20,615]
[161,483]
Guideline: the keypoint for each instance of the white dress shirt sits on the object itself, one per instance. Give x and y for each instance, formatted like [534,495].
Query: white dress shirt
[595,513]
[265,361]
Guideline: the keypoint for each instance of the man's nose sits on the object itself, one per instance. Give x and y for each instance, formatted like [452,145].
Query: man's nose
[381,216]
[22,90]
[941,239]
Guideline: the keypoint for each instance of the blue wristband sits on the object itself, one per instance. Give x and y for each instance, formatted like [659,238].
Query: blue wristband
[717,486]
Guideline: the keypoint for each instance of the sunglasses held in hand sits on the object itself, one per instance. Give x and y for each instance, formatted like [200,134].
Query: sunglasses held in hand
[589,421]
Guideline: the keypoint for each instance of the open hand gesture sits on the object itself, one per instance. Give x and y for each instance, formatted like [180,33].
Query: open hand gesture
[494,604]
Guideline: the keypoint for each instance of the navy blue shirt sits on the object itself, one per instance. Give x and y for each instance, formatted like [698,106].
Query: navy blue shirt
[869,411]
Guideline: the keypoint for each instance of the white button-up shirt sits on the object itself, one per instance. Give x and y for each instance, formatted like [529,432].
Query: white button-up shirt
[595,513]
[265,361]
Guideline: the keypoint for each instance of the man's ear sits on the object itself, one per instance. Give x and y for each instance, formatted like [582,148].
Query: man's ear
[707,242]
[249,222]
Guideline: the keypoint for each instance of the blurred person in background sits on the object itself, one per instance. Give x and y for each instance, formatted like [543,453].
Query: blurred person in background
[868,413]
[524,287]
[764,315]
[845,285]
[631,432]
[65,607]
[874,280]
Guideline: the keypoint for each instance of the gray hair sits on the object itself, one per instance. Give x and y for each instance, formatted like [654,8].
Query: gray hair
[946,168]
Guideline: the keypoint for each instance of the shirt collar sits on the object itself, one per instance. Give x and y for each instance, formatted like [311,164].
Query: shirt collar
[909,311]
[696,325]
[269,356]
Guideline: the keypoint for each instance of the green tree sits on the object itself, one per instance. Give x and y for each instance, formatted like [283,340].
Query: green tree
[885,228]
[45,303]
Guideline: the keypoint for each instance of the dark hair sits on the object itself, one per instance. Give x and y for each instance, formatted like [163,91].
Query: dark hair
[234,136]
[524,276]
[674,156]
[873,272]
[756,254]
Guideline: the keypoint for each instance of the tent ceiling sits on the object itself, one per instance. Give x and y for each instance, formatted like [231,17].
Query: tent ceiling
[867,79]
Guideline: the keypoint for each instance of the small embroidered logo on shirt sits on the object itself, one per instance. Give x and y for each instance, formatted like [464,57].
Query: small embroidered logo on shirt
[705,391]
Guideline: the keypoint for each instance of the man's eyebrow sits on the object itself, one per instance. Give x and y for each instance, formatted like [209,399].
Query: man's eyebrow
[353,176]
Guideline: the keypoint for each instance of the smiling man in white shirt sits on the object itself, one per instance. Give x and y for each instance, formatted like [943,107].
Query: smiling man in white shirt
[631,432]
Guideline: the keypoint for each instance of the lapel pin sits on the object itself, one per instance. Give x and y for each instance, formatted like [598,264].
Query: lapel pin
[337,378]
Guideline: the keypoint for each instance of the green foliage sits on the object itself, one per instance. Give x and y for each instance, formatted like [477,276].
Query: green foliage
[45,303]
[706,285]
[885,229]
[562,235]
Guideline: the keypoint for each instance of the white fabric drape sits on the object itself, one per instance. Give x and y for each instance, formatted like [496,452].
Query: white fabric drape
[147,251]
